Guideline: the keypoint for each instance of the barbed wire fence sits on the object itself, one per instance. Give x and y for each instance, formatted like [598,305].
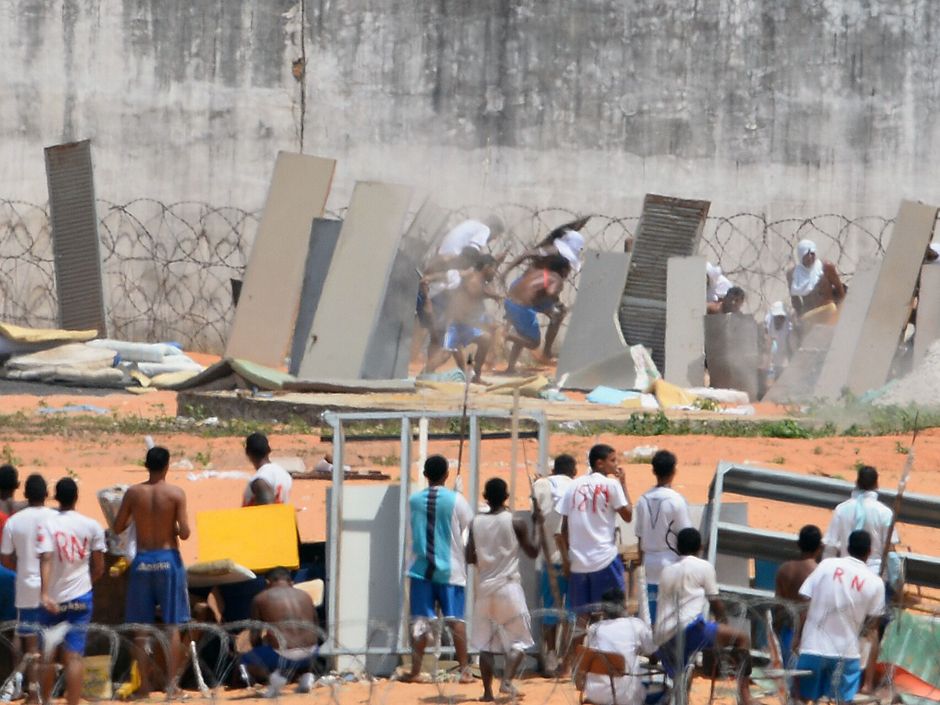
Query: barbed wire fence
[168,266]
[216,648]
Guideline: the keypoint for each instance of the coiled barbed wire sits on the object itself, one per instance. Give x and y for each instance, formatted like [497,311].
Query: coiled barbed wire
[167,266]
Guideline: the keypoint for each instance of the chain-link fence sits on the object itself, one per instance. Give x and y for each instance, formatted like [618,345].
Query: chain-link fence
[168,267]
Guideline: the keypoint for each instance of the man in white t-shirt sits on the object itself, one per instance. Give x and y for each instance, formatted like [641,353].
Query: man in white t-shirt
[687,589]
[71,549]
[18,552]
[863,511]
[844,595]
[630,637]
[661,513]
[547,492]
[271,483]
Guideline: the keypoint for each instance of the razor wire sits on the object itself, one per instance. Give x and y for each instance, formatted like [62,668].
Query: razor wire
[168,267]
[216,648]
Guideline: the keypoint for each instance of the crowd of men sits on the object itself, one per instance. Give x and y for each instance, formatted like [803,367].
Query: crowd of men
[583,587]
[58,554]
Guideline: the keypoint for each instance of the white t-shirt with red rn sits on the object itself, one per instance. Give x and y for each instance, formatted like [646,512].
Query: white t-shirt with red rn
[842,593]
[19,538]
[71,538]
[590,504]
[276,476]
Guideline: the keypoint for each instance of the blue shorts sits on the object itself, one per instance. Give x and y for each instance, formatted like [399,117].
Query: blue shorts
[835,678]
[76,612]
[157,578]
[698,635]
[524,320]
[786,644]
[586,590]
[460,335]
[28,621]
[548,600]
[425,595]
[652,597]
[265,656]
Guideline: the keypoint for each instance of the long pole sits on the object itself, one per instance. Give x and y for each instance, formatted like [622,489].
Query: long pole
[458,483]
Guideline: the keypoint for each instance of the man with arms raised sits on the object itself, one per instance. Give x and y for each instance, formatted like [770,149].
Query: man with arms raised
[71,549]
[156,576]
[18,553]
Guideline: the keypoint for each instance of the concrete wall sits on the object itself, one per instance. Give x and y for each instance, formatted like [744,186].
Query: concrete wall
[792,108]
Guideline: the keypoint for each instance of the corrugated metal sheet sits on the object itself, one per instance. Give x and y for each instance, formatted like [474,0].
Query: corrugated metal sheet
[669,227]
[75,237]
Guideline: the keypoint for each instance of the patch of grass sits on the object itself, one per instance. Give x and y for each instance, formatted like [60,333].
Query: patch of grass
[901,448]
[8,456]
[385,460]
[71,473]
[778,460]
[818,450]
[203,458]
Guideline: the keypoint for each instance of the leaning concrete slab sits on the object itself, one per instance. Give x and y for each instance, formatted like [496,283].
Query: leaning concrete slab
[594,333]
[731,349]
[685,327]
[323,238]
[668,227]
[75,245]
[928,311]
[797,383]
[355,288]
[270,295]
[389,348]
[866,365]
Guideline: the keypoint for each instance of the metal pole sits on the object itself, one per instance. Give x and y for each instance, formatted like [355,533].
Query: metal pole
[513,449]
[403,525]
[543,444]
[336,521]
[474,500]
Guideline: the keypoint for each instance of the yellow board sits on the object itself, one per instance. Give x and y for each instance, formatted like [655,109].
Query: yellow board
[259,538]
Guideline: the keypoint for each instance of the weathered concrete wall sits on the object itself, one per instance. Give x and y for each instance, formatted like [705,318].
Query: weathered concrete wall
[793,107]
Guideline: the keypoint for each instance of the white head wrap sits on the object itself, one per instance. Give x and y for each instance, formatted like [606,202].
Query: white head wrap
[569,246]
[805,278]
[718,283]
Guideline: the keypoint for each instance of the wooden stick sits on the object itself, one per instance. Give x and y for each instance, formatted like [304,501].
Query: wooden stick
[514,449]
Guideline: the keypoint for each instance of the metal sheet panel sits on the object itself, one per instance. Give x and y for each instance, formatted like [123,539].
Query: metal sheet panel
[323,237]
[668,227]
[685,327]
[270,294]
[75,244]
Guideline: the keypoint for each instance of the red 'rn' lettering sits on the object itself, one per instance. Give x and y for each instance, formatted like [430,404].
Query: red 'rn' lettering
[837,574]
[857,583]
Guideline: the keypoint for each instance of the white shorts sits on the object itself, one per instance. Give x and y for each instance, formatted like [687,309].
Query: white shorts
[501,621]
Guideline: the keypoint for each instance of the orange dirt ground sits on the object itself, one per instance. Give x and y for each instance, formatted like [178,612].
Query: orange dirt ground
[102,459]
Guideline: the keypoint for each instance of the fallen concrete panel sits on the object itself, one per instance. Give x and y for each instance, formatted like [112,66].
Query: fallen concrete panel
[75,244]
[594,333]
[866,365]
[389,348]
[668,227]
[352,386]
[354,292]
[685,327]
[928,311]
[731,349]
[270,293]
[324,235]
[618,371]
[797,383]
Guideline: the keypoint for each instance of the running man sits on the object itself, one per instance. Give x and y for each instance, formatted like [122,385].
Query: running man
[686,589]
[271,483]
[156,576]
[547,492]
[467,317]
[536,291]
[501,618]
[790,577]
[71,549]
[18,551]
[661,513]
[438,573]
[845,598]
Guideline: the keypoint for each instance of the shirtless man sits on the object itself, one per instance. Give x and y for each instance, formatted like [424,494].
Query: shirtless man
[466,315]
[535,292]
[269,659]
[156,576]
[9,483]
[790,576]
[812,282]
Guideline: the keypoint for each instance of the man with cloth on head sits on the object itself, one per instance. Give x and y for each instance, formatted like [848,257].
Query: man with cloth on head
[19,553]
[845,596]
[501,618]
[438,573]
[814,284]
[716,287]
[862,511]
[71,549]
[661,513]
